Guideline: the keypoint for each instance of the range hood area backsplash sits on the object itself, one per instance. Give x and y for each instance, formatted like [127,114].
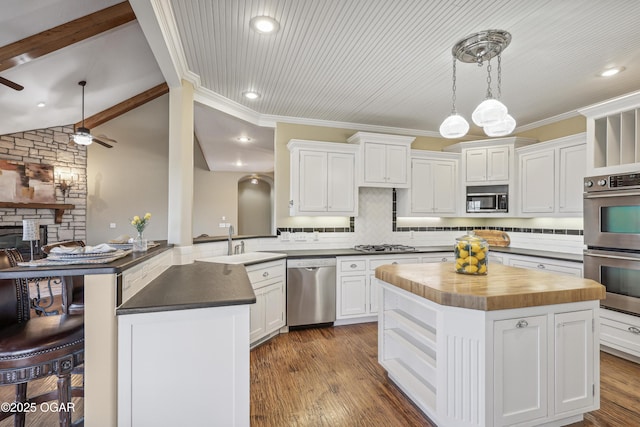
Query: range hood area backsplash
[377,221]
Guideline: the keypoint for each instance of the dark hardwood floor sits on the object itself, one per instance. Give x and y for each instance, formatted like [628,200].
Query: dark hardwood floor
[331,377]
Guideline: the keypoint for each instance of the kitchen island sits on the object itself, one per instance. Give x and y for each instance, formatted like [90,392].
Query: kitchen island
[513,347]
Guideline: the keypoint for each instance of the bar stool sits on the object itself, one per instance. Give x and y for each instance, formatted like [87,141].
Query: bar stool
[33,348]
[73,298]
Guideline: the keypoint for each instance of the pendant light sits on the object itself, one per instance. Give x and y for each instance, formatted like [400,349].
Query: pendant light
[490,111]
[491,114]
[82,135]
[454,126]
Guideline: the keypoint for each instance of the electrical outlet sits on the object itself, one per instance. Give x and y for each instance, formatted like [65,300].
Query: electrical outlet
[112,225]
[222,225]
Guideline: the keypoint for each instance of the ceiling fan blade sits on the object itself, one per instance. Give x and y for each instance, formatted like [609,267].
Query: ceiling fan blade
[11,84]
[104,144]
[106,138]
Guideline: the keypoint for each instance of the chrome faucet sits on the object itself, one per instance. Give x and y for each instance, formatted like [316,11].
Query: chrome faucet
[239,248]
[230,242]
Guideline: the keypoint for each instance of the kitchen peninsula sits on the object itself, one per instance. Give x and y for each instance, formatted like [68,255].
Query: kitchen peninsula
[513,347]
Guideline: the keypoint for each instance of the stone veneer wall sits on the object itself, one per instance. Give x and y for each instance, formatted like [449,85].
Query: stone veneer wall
[51,146]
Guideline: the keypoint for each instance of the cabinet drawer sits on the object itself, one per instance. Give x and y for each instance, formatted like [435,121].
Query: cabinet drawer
[347,266]
[621,335]
[375,263]
[442,257]
[261,273]
[546,266]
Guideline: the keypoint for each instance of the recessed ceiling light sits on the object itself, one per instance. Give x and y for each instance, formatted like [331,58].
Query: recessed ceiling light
[244,139]
[264,24]
[41,104]
[251,94]
[611,71]
[238,163]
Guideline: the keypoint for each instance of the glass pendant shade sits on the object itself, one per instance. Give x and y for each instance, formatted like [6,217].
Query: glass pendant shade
[454,126]
[489,112]
[505,127]
[82,136]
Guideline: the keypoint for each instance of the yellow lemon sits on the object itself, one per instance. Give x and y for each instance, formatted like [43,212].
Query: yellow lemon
[475,247]
[463,254]
[482,269]
[480,254]
[471,260]
[471,269]
[462,245]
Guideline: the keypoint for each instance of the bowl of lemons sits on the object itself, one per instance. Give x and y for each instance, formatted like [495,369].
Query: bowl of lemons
[472,254]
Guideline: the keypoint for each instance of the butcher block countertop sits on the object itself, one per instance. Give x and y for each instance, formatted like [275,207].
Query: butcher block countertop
[502,288]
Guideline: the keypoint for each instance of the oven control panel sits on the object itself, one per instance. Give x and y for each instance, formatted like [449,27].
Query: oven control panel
[627,181]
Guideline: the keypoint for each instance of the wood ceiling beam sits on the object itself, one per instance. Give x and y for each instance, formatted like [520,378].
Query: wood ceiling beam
[64,35]
[124,106]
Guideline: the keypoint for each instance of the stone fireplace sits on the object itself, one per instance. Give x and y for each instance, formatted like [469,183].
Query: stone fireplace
[49,146]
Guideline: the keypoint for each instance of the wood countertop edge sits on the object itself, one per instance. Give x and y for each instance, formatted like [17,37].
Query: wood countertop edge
[513,300]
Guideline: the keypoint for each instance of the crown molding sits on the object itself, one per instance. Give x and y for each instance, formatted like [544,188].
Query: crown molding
[612,106]
[547,121]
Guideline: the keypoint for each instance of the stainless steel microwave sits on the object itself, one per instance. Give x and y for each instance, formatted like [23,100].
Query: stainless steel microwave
[487,199]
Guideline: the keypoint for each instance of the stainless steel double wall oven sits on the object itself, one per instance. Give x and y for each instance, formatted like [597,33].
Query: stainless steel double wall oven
[612,236]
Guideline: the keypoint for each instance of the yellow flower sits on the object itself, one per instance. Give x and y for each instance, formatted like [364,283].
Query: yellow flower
[147,216]
[136,218]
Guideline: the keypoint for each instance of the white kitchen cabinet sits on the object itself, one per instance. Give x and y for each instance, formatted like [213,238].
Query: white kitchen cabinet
[357,292]
[620,334]
[550,177]
[323,179]
[487,164]
[551,265]
[613,135]
[438,257]
[462,367]
[574,365]
[434,185]
[384,159]
[520,369]
[268,314]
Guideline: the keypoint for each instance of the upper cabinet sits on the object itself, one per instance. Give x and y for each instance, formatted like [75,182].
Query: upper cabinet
[323,179]
[384,159]
[613,135]
[434,185]
[487,164]
[550,177]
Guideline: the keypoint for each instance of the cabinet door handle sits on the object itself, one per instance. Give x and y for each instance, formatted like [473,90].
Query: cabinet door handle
[353,265]
[522,324]
[634,330]
[265,274]
[541,266]
[444,259]
[394,262]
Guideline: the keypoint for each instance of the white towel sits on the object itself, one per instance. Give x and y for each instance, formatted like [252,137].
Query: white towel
[71,250]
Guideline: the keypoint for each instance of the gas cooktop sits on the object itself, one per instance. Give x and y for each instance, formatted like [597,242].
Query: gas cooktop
[384,248]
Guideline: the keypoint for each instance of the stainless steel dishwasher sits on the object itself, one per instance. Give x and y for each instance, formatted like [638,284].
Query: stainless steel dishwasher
[311,291]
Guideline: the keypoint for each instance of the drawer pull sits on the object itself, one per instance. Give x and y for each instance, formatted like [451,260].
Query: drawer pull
[265,274]
[444,259]
[353,265]
[634,330]
[541,266]
[394,262]
[522,324]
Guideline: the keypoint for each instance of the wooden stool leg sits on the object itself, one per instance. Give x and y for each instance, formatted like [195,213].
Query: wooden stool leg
[64,397]
[21,396]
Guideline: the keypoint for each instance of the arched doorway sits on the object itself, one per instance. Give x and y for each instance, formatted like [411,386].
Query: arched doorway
[255,207]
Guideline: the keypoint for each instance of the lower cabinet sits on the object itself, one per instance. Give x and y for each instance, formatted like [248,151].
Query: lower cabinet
[463,367]
[522,365]
[358,289]
[268,314]
[551,265]
[620,334]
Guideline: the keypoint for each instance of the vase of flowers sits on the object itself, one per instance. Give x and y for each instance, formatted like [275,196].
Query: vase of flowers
[139,242]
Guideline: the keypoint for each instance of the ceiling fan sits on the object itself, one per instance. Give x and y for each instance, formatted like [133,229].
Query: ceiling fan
[83,135]
[11,84]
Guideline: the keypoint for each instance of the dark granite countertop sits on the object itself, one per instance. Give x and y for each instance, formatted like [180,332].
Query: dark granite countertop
[328,253]
[117,266]
[190,286]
